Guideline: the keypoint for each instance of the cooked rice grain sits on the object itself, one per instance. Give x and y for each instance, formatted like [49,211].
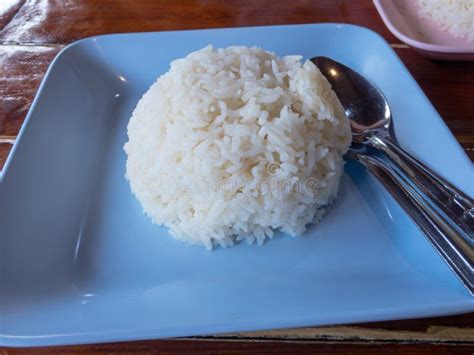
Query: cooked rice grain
[454,16]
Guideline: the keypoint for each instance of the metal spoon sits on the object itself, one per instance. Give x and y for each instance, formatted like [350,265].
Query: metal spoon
[453,249]
[371,118]
[400,173]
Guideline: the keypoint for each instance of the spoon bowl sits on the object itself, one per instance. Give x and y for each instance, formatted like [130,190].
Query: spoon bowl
[364,104]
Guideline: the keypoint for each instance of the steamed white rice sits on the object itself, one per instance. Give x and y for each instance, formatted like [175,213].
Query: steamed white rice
[455,16]
[233,144]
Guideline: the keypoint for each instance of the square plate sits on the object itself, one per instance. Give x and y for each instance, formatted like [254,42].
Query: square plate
[81,263]
[403,19]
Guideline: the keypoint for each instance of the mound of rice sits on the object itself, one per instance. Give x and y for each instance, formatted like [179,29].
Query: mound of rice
[233,144]
[454,16]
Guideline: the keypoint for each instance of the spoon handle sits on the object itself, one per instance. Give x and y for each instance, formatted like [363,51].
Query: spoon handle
[455,204]
[446,240]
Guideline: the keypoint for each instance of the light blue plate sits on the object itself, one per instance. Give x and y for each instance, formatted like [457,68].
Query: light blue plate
[80,262]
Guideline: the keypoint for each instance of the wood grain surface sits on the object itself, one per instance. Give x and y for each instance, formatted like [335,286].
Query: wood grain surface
[32,32]
[198,346]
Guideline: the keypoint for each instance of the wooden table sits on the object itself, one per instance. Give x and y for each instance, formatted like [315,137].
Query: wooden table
[32,32]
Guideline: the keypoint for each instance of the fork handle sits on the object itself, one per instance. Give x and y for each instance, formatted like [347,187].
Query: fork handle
[445,239]
[455,204]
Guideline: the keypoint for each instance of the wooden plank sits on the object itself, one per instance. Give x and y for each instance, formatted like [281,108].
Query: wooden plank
[422,324]
[448,329]
[61,22]
[4,151]
[246,347]
[8,10]
[433,334]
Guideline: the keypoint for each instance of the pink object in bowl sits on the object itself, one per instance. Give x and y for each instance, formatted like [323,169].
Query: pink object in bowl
[424,35]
